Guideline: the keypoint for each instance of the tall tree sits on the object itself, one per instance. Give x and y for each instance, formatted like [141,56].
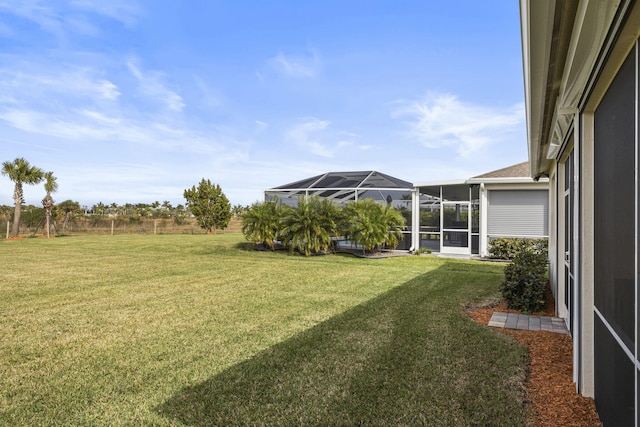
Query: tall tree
[238,210]
[50,186]
[114,209]
[209,205]
[70,208]
[20,172]
[99,209]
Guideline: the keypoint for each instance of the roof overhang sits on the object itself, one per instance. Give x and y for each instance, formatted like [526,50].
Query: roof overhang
[514,180]
[475,181]
[561,42]
[440,183]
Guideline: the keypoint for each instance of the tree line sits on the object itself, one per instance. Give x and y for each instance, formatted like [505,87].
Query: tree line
[206,202]
[142,210]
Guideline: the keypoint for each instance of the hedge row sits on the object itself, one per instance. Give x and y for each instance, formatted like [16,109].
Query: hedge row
[507,248]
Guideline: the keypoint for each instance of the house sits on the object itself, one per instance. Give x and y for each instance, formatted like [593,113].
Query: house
[582,92]
[450,217]
[461,217]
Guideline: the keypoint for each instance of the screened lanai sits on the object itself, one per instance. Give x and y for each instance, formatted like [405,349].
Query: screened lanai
[345,187]
[463,216]
[448,217]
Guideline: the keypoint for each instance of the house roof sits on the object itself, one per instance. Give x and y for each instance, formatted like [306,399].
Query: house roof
[519,173]
[520,170]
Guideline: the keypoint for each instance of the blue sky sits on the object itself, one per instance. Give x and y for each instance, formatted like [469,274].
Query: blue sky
[132,101]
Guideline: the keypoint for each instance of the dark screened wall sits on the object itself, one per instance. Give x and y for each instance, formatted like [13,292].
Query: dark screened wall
[615,198]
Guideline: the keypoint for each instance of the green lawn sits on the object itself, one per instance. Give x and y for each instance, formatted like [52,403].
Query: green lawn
[196,330]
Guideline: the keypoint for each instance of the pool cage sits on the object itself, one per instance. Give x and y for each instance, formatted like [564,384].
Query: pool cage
[345,187]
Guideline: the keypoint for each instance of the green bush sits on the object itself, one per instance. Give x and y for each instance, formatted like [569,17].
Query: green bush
[525,281]
[309,227]
[372,225]
[508,248]
[421,251]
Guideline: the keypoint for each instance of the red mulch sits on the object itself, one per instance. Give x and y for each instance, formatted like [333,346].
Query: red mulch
[549,384]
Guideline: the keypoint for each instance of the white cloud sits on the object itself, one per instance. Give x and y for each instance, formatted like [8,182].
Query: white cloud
[101,117]
[305,134]
[318,137]
[113,181]
[125,11]
[443,120]
[80,105]
[92,127]
[40,12]
[40,84]
[81,25]
[260,126]
[208,96]
[296,66]
[108,89]
[58,18]
[151,84]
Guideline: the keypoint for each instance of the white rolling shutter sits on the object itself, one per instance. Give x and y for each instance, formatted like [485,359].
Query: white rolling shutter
[518,213]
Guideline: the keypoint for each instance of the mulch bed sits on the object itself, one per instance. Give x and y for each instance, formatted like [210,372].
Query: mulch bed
[549,384]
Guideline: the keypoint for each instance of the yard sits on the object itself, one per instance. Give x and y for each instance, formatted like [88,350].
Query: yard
[198,330]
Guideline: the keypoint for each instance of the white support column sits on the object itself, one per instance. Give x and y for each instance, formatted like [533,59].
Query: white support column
[415,219]
[484,206]
[587,247]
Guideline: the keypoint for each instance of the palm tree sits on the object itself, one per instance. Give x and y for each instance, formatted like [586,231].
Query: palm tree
[238,210]
[70,208]
[260,223]
[20,172]
[50,186]
[395,222]
[114,209]
[310,226]
[372,225]
[99,209]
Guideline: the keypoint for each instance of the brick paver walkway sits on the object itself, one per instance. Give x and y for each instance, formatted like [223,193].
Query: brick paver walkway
[528,323]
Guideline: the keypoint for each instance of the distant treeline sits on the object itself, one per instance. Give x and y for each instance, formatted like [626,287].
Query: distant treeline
[69,217]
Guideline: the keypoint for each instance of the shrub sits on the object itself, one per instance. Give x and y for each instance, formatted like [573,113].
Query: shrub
[508,248]
[309,227]
[525,281]
[260,223]
[372,225]
[421,251]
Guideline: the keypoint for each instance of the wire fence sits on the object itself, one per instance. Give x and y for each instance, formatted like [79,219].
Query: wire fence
[114,226]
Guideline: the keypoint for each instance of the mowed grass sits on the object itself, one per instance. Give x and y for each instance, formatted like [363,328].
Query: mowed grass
[197,330]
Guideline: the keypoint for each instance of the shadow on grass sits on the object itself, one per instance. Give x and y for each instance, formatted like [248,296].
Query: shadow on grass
[408,357]
[245,246]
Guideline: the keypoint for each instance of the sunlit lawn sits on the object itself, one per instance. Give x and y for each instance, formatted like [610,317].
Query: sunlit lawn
[197,330]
